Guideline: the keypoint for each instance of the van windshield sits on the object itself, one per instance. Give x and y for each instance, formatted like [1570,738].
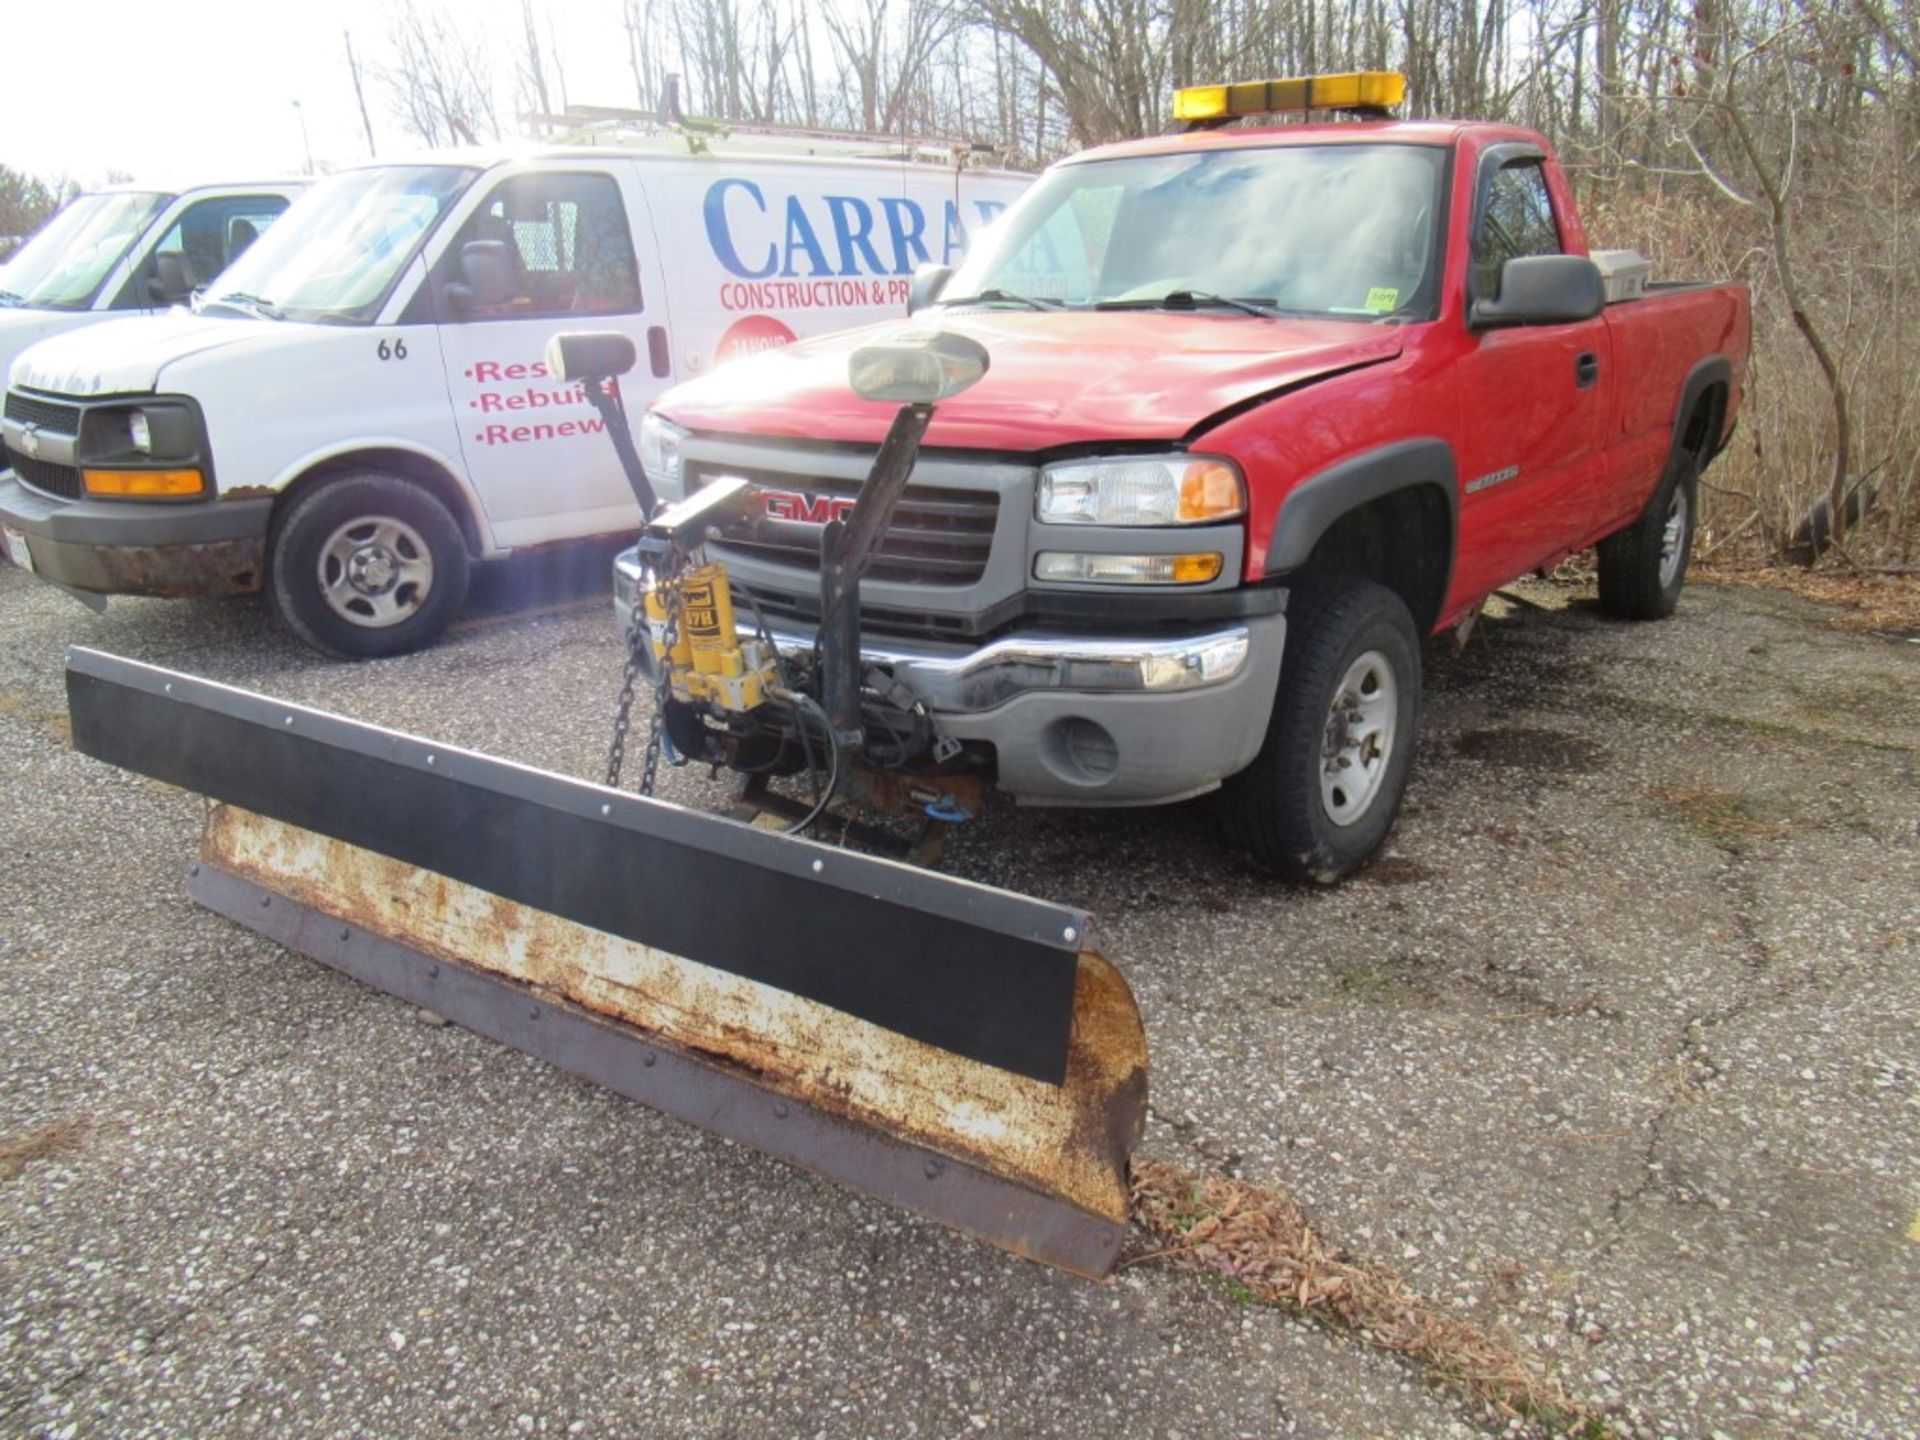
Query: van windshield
[1341,231]
[335,255]
[63,267]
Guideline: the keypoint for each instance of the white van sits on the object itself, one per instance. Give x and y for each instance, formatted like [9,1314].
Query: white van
[128,250]
[360,407]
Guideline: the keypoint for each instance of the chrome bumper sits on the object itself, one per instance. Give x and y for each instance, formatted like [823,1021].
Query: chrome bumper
[957,681]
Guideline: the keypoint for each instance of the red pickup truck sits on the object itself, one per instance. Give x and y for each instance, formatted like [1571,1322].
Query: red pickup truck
[1265,407]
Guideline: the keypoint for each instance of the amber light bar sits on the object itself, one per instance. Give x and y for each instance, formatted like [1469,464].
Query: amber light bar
[1356,90]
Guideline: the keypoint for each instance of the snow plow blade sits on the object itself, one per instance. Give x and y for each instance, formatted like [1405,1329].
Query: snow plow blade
[958,1050]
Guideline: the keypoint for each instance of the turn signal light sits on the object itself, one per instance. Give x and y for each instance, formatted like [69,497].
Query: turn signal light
[143,484]
[1210,491]
[1070,567]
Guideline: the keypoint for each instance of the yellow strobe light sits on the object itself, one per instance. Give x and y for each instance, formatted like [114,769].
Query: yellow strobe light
[1357,90]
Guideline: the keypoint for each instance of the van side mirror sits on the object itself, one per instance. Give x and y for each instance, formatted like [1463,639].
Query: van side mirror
[486,277]
[170,284]
[928,281]
[1542,290]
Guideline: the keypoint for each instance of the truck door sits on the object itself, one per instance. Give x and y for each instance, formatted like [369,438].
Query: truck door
[545,252]
[1534,428]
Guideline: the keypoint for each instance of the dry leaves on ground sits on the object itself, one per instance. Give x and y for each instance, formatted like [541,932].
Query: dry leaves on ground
[1258,1241]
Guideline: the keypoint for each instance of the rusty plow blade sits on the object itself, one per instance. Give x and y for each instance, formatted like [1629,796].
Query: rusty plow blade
[957,1050]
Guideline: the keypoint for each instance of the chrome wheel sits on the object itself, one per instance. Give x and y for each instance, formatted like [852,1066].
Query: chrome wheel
[375,571]
[1359,737]
[1673,537]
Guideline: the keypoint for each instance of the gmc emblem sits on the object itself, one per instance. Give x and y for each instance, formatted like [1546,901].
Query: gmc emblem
[804,508]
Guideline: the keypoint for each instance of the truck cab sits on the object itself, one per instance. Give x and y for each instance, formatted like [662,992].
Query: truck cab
[1264,408]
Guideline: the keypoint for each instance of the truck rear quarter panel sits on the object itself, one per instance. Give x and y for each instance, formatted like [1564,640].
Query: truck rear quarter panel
[1697,333]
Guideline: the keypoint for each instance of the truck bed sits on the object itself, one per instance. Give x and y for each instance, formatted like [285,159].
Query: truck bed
[1657,342]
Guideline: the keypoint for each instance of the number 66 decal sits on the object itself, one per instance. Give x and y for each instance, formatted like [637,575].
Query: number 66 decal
[392,350]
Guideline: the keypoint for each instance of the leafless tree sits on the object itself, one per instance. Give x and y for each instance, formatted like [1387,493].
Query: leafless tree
[359,90]
[440,78]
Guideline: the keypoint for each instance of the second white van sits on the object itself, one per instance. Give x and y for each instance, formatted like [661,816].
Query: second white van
[359,408]
[129,250]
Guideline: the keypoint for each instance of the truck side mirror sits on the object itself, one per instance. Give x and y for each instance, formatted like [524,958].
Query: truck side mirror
[1542,290]
[928,281]
[590,355]
[486,277]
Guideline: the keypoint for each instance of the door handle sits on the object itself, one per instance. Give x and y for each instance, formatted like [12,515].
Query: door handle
[1586,369]
[657,351]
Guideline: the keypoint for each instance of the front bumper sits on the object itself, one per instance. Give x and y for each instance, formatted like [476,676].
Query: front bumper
[1079,719]
[121,547]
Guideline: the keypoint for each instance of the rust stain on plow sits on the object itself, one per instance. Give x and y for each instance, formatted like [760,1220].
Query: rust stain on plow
[1069,1141]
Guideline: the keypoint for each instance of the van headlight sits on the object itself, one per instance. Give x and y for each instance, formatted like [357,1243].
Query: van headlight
[160,430]
[1141,490]
[660,441]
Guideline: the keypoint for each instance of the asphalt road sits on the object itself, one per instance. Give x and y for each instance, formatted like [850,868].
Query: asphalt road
[1615,1049]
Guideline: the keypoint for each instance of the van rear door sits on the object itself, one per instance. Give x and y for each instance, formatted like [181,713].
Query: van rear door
[545,251]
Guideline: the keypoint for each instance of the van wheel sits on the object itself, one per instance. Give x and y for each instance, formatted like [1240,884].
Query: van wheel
[366,565]
[1643,566]
[1321,795]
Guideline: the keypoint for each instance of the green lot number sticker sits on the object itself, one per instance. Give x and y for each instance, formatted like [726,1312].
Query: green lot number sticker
[1382,298]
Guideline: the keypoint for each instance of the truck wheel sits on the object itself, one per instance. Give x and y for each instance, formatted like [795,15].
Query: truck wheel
[1643,566]
[1322,793]
[367,565]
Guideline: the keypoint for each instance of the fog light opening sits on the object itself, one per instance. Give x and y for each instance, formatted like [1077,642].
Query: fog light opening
[1080,751]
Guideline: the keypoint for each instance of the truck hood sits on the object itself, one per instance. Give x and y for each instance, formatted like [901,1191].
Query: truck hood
[125,357]
[1054,378]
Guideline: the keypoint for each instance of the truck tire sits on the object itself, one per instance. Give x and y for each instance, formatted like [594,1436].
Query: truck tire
[1643,567]
[1322,793]
[367,564]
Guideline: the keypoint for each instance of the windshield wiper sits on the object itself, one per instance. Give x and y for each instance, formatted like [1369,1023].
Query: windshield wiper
[1193,300]
[1008,297]
[246,304]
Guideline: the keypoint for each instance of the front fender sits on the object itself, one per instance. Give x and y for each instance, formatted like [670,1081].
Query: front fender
[1312,507]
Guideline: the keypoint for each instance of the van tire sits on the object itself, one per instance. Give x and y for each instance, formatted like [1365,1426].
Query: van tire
[1348,639]
[367,564]
[1643,567]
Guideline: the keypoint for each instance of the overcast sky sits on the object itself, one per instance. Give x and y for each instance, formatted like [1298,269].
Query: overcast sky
[205,89]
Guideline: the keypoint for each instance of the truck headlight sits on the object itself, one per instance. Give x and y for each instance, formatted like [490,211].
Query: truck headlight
[660,441]
[1141,490]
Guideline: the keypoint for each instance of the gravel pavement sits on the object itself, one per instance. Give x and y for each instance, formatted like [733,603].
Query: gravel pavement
[1616,1049]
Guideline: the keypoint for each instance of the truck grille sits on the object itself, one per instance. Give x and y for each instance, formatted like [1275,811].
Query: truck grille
[47,414]
[880,620]
[60,481]
[940,535]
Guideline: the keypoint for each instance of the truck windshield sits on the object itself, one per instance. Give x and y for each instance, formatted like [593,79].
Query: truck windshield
[334,256]
[63,267]
[1344,230]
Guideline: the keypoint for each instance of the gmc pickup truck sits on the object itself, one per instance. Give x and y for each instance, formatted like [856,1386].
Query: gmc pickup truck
[1265,407]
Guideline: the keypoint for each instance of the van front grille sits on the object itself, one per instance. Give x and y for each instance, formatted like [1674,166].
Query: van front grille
[46,414]
[60,481]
